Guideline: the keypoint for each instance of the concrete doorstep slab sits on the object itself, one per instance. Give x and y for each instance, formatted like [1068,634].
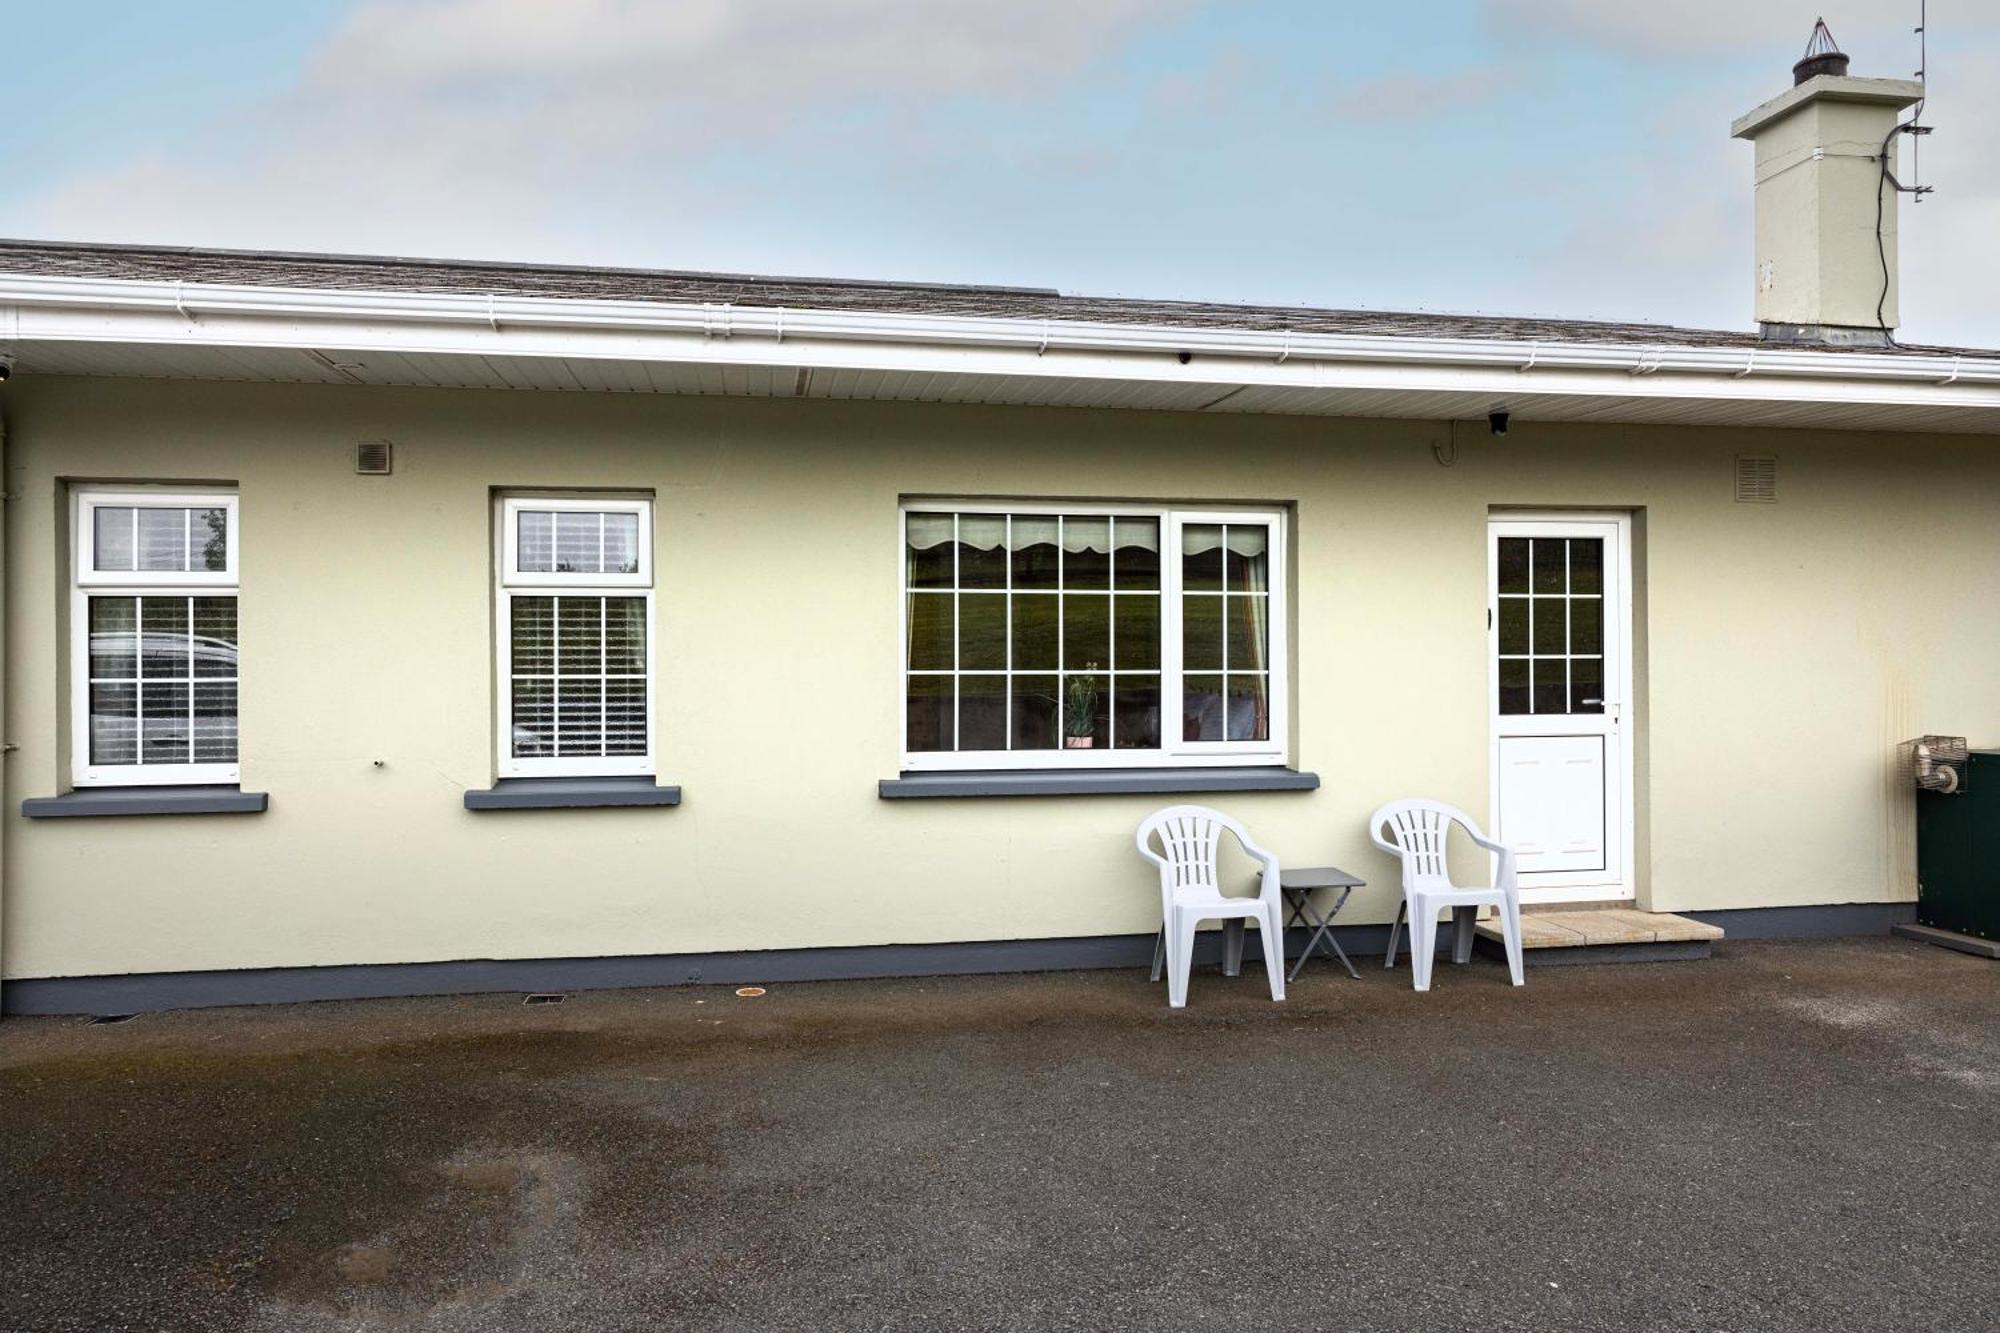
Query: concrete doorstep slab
[1604,935]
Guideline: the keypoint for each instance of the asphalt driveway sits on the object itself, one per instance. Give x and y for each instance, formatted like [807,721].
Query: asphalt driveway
[1788,1136]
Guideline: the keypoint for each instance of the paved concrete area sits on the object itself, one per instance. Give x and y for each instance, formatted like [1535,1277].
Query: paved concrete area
[1786,1136]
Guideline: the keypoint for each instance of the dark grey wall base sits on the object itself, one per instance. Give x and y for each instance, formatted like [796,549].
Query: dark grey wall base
[570,794]
[1807,923]
[144,992]
[1096,782]
[1949,939]
[88,802]
[1671,951]
[282,985]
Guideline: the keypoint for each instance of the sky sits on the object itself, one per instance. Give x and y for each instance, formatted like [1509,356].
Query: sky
[1556,157]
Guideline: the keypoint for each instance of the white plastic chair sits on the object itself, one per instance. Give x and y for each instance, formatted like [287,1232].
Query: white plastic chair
[1190,837]
[1418,833]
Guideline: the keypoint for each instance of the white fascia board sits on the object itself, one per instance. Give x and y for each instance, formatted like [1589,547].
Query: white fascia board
[457,324]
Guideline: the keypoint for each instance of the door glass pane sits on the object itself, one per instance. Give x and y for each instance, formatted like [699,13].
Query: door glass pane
[927,549]
[982,712]
[1136,561]
[1086,553]
[1550,568]
[1551,685]
[982,631]
[1248,716]
[1586,564]
[1551,628]
[1512,564]
[1201,633]
[1515,697]
[1201,708]
[1135,713]
[928,704]
[1586,685]
[1035,632]
[1586,625]
[1513,624]
[1035,720]
[1138,633]
[111,539]
[1034,546]
[1201,557]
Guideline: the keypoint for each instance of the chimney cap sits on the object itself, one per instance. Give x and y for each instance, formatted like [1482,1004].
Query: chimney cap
[1823,56]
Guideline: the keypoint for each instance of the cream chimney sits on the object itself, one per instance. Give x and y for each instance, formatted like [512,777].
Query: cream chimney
[1820,184]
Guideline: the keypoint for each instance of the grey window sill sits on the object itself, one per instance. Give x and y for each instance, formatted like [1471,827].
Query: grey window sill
[570,794]
[1095,782]
[102,801]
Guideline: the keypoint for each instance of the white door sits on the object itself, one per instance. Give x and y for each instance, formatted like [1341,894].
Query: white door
[1559,675]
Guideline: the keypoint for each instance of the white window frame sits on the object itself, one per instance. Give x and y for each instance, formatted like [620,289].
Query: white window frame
[1173,752]
[86,581]
[511,581]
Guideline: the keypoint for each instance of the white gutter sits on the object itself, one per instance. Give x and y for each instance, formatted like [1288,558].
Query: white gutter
[191,301]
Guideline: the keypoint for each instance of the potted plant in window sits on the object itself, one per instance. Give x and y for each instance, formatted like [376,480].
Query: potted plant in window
[1080,711]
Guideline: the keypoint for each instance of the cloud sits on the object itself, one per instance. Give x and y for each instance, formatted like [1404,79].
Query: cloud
[476,126]
[1876,33]
[1404,95]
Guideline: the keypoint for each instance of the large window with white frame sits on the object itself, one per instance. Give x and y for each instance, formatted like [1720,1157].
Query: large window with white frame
[154,643]
[1043,635]
[574,577]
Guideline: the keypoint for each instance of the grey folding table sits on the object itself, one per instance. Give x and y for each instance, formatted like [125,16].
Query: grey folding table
[1298,887]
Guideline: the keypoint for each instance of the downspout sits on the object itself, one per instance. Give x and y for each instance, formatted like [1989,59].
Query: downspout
[6,747]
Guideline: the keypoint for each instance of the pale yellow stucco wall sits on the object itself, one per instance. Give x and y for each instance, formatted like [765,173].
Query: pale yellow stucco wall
[1787,648]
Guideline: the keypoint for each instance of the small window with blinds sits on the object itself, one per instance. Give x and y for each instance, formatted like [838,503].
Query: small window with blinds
[154,639]
[1092,636]
[575,617]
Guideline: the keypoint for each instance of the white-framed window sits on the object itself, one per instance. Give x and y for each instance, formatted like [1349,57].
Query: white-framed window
[153,636]
[1049,635]
[574,578]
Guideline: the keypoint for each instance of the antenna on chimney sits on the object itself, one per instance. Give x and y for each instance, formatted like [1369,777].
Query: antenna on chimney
[1917,130]
[1823,56]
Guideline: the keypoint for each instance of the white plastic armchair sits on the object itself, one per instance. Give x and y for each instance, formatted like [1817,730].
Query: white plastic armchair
[1418,832]
[1190,838]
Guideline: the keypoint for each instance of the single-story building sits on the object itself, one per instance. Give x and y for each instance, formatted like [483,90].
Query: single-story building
[378,625]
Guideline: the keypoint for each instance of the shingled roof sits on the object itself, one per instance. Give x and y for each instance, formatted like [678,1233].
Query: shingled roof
[378,273]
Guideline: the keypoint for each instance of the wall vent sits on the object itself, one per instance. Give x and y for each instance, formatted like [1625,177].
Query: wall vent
[1756,481]
[372,458]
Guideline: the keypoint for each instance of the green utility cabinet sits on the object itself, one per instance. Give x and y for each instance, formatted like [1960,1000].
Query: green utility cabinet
[1958,852]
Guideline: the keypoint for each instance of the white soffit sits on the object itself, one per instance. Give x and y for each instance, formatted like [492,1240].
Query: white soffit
[106,327]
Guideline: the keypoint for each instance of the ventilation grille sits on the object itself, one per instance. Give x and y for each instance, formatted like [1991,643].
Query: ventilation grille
[1756,481]
[372,458]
